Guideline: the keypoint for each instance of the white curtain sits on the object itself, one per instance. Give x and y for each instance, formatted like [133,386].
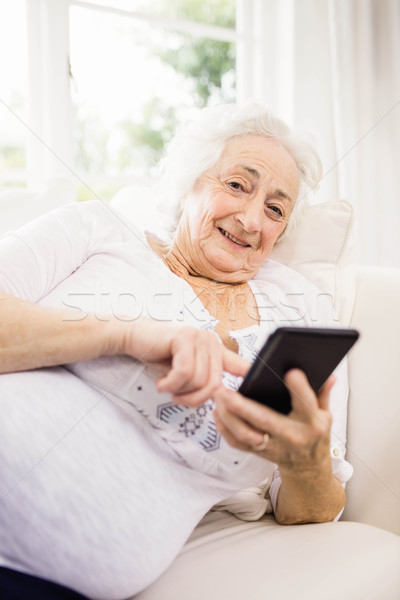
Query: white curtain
[332,67]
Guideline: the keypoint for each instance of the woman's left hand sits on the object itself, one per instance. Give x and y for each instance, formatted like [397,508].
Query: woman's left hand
[299,439]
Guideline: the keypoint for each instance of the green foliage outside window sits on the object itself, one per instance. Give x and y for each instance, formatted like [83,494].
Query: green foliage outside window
[207,68]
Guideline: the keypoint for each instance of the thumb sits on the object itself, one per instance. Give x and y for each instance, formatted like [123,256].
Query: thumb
[235,364]
[323,395]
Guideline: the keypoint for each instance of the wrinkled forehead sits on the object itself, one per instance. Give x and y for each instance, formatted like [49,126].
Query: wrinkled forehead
[261,159]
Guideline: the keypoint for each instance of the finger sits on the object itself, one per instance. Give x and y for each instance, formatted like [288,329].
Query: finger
[303,398]
[224,431]
[306,405]
[214,380]
[324,394]
[196,397]
[182,368]
[235,364]
[201,368]
[206,373]
[236,432]
[259,417]
[227,434]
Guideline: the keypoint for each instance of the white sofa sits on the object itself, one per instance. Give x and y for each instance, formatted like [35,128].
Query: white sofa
[357,558]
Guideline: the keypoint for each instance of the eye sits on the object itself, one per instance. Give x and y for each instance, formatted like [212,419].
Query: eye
[235,185]
[275,212]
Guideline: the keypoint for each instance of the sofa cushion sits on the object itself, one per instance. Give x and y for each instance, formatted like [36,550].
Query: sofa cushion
[20,205]
[322,248]
[226,558]
[374,409]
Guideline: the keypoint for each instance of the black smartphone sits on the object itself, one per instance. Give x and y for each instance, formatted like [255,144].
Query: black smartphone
[315,351]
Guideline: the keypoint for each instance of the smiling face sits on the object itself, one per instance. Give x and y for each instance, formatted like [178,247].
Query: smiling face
[237,210]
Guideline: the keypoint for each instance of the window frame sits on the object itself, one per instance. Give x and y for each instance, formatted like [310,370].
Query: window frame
[49,145]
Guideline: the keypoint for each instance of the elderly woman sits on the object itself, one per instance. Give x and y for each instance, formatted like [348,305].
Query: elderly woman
[106,463]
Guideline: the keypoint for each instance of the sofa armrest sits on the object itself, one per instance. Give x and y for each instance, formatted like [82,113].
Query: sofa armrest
[374,406]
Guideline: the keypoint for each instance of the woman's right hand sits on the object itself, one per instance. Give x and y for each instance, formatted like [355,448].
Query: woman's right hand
[191,360]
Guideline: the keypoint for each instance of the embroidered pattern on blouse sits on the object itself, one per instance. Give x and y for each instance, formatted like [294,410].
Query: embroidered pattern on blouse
[193,423]
[196,424]
[252,344]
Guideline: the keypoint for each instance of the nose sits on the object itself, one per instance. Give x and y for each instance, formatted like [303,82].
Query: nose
[251,215]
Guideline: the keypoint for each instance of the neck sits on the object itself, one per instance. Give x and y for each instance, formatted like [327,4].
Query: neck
[172,257]
[182,265]
[178,264]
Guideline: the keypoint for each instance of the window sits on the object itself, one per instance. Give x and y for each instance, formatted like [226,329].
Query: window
[13,92]
[113,80]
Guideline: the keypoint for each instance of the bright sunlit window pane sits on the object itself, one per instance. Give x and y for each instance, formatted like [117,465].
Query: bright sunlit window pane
[132,83]
[213,12]
[13,82]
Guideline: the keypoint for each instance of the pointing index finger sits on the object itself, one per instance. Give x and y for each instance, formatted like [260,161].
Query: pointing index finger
[235,364]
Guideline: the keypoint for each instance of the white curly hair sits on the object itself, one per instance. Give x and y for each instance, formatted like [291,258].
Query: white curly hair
[197,146]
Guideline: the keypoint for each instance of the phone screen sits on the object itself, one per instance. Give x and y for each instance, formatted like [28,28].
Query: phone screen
[315,351]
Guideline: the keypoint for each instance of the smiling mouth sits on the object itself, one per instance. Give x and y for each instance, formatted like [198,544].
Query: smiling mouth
[233,239]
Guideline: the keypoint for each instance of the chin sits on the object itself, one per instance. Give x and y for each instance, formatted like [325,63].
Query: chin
[233,278]
[228,270]
[225,267]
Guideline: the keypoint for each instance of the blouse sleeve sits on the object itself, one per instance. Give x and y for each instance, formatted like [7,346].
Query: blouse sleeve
[37,257]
